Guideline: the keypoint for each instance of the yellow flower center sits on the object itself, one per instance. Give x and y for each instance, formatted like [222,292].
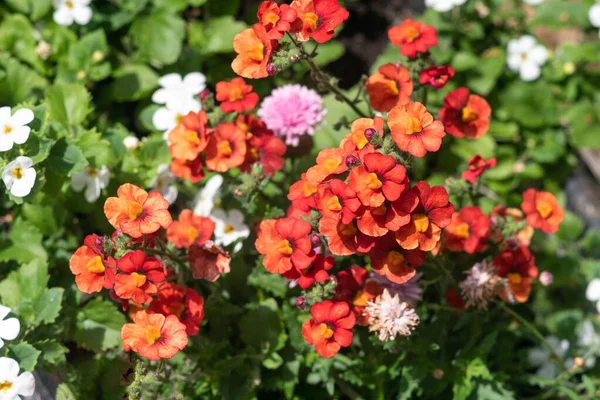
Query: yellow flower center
[271,18]
[373,181]
[236,94]
[285,247]
[134,209]
[468,115]
[92,172]
[69,4]
[95,265]
[379,211]
[257,53]
[229,229]
[395,258]
[360,300]
[176,309]
[347,230]
[5,386]
[463,230]
[524,56]
[544,209]
[333,204]
[152,334]
[138,279]
[392,88]
[224,148]
[514,278]
[7,129]
[178,118]
[192,137]
[325,331]
[308,188]
[421,222]
[192,233]
[17,173]
[311,20]
[412,34]
[414,126]
[331,164]
[359,139]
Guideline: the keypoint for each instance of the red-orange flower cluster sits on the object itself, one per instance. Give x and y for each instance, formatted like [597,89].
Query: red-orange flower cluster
[413,37]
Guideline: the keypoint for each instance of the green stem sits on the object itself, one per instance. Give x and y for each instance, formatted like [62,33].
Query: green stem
[425,95]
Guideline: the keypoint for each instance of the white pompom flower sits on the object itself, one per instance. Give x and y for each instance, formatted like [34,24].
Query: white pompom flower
[69,11]
[9,327]
[13,128]
[526,57]
[13,385]
[175,90]
[19,176]
[93,180]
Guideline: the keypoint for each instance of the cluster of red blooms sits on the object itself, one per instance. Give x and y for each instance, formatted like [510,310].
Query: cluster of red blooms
[303,19]
[195,145]
[164,313]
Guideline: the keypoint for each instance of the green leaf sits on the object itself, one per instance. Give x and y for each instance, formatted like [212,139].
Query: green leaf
[584,121]
[158,37]
[272,283]
[464,61]
[99,325]
[47,306]
[35,8]
[53,353]
[154,151]
[68,104]
[18,82]
[487,71]
[133,82]
[95,149]
[559,14]
[466,148]
[261,326]
[24,244]
[216,35]
[66,158]
[571,227]
[63,392]
[26,355]
[531,104]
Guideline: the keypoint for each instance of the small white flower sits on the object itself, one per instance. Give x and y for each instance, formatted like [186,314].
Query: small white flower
[390,316]
[166,118]
[131,143]
[13,385]
[541,357]
[19,176]
[43,49]
[14,129]
[175,91]
[9,327]
[594,15]
[205,200]
[93,180]
[443,5]
[526,57]
[592,293]
[162,183]
[534,2]
[229,227]
[69,11]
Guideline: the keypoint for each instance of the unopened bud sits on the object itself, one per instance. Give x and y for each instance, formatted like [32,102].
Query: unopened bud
[271,69]
[315,240]
[131,143]
[237,192]
[369,133]
[98,56]
[300,302]
[546,278]
[204,94]
[512,243]
[438,373]
[579,362]
[352,161]
[294,58]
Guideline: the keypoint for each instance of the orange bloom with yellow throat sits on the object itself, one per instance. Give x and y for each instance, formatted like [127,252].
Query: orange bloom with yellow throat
[190,229]
[253,52]
[414,130]
[542,210]
[226,148]
[388,87]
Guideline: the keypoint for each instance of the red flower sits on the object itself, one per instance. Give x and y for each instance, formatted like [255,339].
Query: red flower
[190,229]
[285,244]
[276,19]
[542,210]
[226,148]
[344,239]
[430,210]
[436,77]
[254,51]
[236,96]
[454,300]
[477,166]
[329,162]
[188,138]
[316,272]
[469,231]
[413,37]
[91,269]
[377,179]
[414,130]
[388,87]
[208,261]
[465,114]
[303,194]
[397,265]
[191,170]
[317,19]
[267,149]
[337,199]
[354,289]
[136,212]
[378,221]
[185,304]
[154,336]
[138,276]
[330,328]
[518,266]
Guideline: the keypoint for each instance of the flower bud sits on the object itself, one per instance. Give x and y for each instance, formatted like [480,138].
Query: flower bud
[204,94]
[369,133]
[271,69]
[98,56]
[438,373]
[300,302]
[315,240]
[546,278]
[579,362]
[352,161]
[131,143]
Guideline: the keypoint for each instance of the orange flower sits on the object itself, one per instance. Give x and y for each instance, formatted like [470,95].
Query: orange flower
[185,304]
[190,229]
[337,199]
[354,289]
[413,37]
[136,212]
[317,19]
[468,231]
[208,261]
[303,194]
[191,170]
[344,239]
[154,336]
[236,96]
[465,114]
[188,138]
[138,276]
[91,269]
[542,210]
[523,237]
[253,52]
[518,267]
[329,162]
[477,166]
[226,148]
[316,272]
[389,260]
[330,328]
[388,87]
[276,19]
[356,142]
[265,148]
[414,130]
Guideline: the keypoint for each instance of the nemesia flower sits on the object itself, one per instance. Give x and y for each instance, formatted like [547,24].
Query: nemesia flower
[253,50]
[354,289]
[174,90]
[189,138]
[93,180]
[443,5]
[465,114]
[330,327]
[208,261]
[317,19]
[19,176]
[477,166]
[523,237]
[226,148]
[292,111]
[344,239]
[413,37]
[14,129]
[542,210]
[302,194]
[138,276]
[154,336]
[190,229]
[543,358]
[191,170]
[357,137]
[236,96]
[328,162]
[592,292]
[9,327]
[481,285]
[526,57]
[397,265]
[468,231]
[285,244]
[414,130]
[68,11]
[409,291]
[267,150]
[338,199]
[389,316]
[163,183]
[390,86]
[316,272]
[185,303]
[518,267]
[436,77]
[277,19]
[205,199]
[13,385]
[165,119]
[93,271]
[136,212]
[229,227]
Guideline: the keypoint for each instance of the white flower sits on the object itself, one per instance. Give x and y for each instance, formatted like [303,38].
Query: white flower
[443,5]
[19,176]
[533,2]
[229,227]
[131,143]
[526,57]
[205,200]
[592,293]
[481,285]
[93,180]
[175,91]
[594,15]
[541,357]
[14,129]
[166,118]
[391,316]
[162,183]
[13,385]
[69,11]
[9,328]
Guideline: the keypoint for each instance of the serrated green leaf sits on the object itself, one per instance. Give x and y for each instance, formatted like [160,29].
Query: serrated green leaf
[68,104]
[24,244]
[99,325]
[133,82]
[48,305]
[53,353]
[26,355]
[158,37]
[66,158]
